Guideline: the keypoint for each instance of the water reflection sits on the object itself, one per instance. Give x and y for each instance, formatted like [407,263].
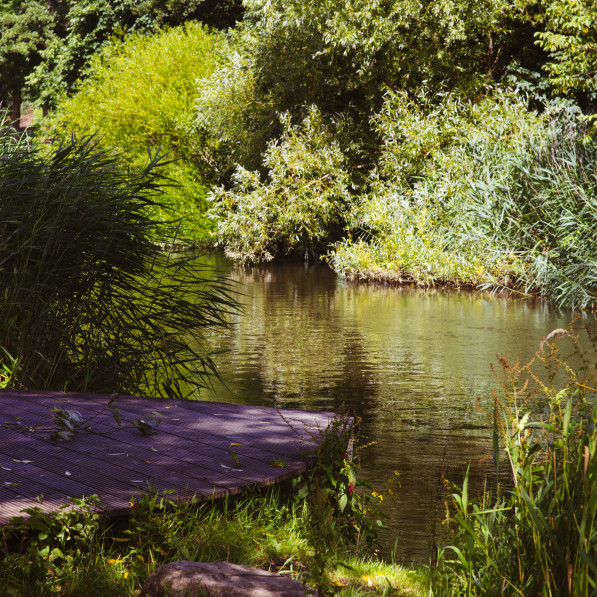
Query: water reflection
[414,365]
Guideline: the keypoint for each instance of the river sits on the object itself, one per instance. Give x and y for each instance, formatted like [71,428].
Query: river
[414,365]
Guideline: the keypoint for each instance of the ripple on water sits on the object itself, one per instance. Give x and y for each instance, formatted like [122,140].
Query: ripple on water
[414,365]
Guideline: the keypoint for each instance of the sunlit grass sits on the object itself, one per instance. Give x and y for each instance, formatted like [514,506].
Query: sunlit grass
[367,576]
[104,558]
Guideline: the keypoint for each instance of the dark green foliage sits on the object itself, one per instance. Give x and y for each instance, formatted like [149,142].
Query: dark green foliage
[61,37]
[24,30]
[343,56]
[89,301]
[76,552]
[570,39]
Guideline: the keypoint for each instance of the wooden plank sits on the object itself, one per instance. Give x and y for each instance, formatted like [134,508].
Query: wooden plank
[188,450]
[202,449]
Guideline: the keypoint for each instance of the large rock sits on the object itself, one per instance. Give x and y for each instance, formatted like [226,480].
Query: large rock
[219,579]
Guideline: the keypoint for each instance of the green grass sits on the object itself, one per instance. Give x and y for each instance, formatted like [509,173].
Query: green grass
[81,554]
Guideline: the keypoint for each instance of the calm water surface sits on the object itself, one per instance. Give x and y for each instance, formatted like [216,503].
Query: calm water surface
[414,365]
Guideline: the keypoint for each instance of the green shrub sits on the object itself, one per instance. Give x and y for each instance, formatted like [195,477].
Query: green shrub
[411,224]
[142,95]
[540,203]
[476,193]
[301,205]
[341,56]
[88,301]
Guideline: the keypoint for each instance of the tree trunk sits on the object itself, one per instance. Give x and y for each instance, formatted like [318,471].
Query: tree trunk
[15,108]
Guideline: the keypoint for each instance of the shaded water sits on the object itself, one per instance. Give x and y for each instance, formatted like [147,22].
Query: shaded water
[414,365]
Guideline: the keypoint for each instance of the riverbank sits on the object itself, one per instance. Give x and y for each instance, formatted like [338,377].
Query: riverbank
[76,553]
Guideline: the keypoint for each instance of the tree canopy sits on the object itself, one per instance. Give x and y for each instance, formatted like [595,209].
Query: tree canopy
[45,47]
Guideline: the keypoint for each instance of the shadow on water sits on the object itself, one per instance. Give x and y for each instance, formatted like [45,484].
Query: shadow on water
[414,365]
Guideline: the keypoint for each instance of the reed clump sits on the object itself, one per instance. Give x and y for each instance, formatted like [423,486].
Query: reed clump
[88,300]
[540,536]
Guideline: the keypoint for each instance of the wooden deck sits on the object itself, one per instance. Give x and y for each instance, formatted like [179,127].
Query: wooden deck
[201,449]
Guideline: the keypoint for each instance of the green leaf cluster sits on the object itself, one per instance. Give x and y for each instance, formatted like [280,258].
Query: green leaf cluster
[299,208]
[570,39]
[24,29]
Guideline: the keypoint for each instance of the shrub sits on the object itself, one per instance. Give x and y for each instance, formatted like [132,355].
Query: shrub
[479,193]
[301,205]
[89,301]
[540,203]
[141,95]
[411,224]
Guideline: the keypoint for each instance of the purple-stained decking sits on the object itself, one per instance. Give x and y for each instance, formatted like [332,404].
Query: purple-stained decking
[201,449]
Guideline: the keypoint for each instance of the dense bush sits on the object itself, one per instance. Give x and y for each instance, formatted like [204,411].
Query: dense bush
[142,95]
[479,192]
[410,224]
[540,203]
[301,205]
[341,56]
[89,302]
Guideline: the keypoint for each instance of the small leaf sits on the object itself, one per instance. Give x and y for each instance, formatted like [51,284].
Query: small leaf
[234,457]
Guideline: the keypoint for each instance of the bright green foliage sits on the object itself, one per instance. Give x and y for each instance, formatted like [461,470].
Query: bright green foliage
[299,208]
[141,96]
[570,39]
[89,302]
[540,203]
[411,225]
[541,539]
[484,192]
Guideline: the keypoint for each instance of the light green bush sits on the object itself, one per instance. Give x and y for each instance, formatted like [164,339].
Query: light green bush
[142,95]
[479,193]
[301,204]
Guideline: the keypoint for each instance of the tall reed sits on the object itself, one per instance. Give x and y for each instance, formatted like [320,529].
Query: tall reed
[88,301]
[540,537]
[538,202]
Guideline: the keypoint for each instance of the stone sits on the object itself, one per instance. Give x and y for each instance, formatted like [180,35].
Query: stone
[220,579]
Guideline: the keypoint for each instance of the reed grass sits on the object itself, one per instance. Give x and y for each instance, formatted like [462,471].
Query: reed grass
[89,302]
[540,537]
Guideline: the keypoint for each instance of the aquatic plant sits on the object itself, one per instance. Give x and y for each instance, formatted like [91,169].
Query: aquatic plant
[540,537]
[89,301]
